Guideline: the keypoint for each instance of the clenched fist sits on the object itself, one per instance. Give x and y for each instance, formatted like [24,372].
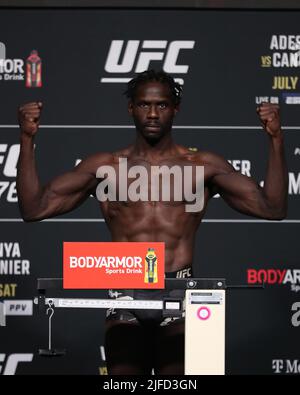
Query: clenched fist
[269,117]
[29,118]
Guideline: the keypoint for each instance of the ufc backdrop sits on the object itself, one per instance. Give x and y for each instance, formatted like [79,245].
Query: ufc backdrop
[229,62]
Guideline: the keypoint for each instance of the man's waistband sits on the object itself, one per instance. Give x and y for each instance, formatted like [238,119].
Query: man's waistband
[182,273]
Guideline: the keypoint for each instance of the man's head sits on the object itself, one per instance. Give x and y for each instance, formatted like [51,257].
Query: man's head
[154,99]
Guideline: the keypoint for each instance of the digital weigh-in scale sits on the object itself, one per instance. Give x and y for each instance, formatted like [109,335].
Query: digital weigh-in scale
[204,313]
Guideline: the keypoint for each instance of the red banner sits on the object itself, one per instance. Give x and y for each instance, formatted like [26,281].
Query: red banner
[113,265]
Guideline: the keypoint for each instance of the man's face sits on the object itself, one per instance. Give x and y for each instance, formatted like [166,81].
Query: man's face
[153,110]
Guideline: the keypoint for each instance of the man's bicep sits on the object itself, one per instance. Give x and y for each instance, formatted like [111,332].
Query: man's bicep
[71,183]
[242,193]
[233,183]
[66,192]
[218,167]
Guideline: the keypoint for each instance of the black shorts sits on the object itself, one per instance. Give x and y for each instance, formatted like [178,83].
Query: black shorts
[147,316]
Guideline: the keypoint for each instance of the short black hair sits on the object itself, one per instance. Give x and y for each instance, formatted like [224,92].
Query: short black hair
[157,76]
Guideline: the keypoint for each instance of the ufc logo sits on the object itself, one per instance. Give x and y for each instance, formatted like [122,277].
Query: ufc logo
[184,273]
[9,159]
[2,51]
[12,361]
[168,53]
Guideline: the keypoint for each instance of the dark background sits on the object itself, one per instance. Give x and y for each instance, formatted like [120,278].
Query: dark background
[224,78]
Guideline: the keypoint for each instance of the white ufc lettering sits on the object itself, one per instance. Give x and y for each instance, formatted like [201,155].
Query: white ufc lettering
[10,164]
[12,362]
[170,55]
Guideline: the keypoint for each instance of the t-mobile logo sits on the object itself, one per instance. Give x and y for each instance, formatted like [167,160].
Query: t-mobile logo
[286,366]
[137,58]
[277,365]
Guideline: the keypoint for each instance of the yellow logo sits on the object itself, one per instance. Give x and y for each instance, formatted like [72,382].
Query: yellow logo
[151,266]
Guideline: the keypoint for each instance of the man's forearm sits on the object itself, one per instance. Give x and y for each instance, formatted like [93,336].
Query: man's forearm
[28,183]
[276,181]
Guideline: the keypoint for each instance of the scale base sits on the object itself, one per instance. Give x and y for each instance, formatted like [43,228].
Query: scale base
[43,352]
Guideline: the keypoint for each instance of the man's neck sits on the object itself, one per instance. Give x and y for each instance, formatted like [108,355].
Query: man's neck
[162,148]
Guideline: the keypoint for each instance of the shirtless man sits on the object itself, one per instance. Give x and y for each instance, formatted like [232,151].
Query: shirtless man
[138,341]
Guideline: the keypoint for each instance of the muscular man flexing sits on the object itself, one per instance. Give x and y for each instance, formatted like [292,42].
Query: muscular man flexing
[138,341]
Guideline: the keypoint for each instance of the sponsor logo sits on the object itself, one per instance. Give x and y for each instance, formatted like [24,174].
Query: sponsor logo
[135,56]
[9,363]
[286,366]
[14,69]
[151,266]
[184,273]
[297,151]
[275,277]
[33,70]
[131,265]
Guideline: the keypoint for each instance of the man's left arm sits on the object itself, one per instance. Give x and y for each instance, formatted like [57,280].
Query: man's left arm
[243,193]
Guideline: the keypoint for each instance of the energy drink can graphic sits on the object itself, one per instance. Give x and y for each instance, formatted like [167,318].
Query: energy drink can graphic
[33,70]
[151,266]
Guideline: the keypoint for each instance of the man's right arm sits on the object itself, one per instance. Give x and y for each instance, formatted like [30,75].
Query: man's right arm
[60,195]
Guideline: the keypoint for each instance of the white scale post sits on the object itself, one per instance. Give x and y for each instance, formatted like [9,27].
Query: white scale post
[205,332]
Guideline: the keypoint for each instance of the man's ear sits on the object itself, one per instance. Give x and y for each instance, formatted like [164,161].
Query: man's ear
[176,109]
[130,107]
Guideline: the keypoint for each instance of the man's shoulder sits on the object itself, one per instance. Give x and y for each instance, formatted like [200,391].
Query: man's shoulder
[124,152]
[202,157]
[210,157]
[92,162]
